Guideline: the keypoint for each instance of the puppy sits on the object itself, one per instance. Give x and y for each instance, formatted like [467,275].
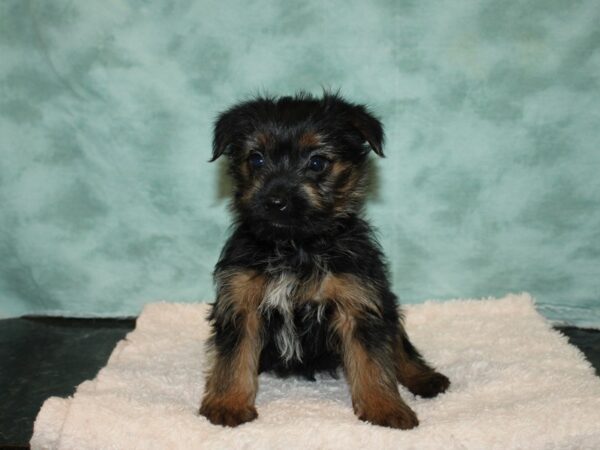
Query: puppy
[302,284]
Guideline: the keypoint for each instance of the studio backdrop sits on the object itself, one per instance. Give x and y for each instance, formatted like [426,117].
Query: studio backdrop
[491,182]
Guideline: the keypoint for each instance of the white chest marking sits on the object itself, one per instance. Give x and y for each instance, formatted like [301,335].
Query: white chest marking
[279,296]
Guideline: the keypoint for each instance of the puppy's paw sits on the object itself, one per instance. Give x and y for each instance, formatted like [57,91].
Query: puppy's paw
[397,416]
[429,384]
[227,413]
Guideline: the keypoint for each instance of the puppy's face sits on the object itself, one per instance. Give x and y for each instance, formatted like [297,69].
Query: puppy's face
[298,163]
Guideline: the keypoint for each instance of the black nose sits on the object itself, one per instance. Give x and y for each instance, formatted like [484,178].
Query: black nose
[276,203]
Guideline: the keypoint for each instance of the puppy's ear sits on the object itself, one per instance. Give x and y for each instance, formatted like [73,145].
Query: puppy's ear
[369,127]
[227,129]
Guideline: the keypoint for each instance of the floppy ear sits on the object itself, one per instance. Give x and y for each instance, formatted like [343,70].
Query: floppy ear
[229,127]
[369,127]
[223,134]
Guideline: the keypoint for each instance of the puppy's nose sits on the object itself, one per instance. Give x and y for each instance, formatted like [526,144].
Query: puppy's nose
[276,203]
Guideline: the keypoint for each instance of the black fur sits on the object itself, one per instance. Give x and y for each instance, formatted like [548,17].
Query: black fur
[350,249]
[299,167]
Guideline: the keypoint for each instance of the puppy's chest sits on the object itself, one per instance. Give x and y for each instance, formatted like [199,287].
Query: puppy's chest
[286,289]
[297,306]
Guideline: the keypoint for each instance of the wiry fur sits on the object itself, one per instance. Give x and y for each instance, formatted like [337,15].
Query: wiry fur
[301,283]
[276,299]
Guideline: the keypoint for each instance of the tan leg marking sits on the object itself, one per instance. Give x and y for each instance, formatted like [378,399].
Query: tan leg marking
[416,375]
[371,375]
[232,382]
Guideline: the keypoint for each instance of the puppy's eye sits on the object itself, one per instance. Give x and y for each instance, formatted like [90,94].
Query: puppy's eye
[317,163]
[256,160]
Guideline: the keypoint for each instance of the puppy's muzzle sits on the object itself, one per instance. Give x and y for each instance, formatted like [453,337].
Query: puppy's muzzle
[276,199]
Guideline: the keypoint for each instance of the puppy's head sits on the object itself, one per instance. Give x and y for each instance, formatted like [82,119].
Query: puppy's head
[298,163]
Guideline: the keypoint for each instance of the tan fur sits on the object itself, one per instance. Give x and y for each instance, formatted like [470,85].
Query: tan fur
[247,287]
[309,139]
[232,383]
[350,193]
[340,167]
[350,293]
[417,376]
[409,373]
[313,195]
[253,187]
[372,381]
[261,140]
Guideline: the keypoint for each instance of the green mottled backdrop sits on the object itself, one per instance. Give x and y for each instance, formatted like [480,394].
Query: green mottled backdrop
[491,185]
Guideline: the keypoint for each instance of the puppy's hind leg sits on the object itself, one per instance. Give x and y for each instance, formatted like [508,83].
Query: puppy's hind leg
[414,372]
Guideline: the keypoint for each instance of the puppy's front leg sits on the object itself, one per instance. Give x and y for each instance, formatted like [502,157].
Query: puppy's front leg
[366,343]
[372,381]
[235,345]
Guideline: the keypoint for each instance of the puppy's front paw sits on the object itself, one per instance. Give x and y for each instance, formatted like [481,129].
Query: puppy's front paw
[227,413]
[393,416]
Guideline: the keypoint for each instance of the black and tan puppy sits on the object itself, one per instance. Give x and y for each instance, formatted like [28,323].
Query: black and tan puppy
[302,284]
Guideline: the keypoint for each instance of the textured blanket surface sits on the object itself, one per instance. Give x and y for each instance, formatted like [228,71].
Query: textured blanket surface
[516,383]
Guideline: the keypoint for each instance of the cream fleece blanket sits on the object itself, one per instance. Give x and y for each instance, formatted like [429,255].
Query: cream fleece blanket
[516,383]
